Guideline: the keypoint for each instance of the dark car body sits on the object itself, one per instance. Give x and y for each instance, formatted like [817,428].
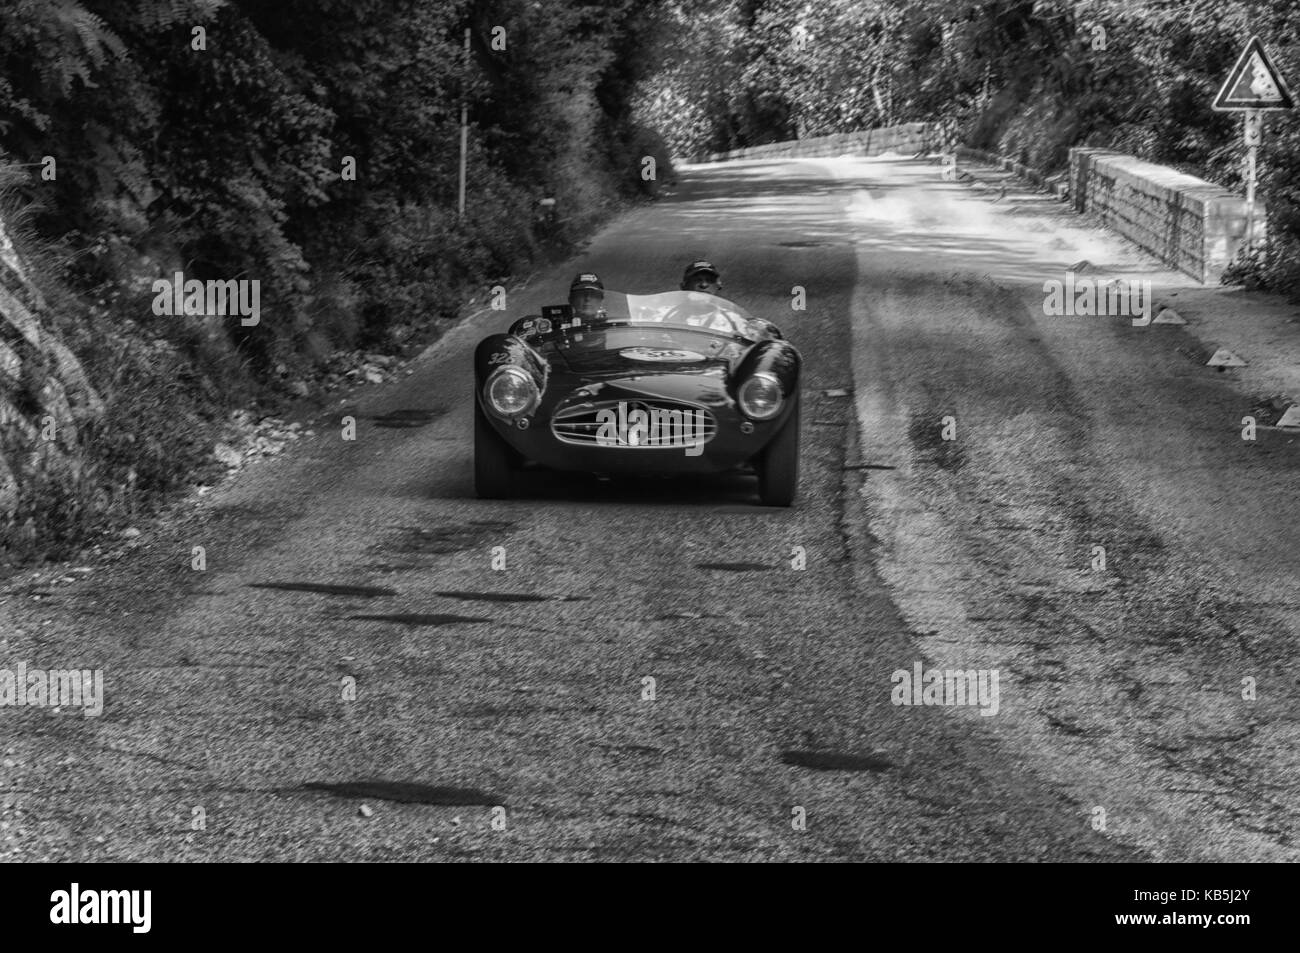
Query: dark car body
[678,357]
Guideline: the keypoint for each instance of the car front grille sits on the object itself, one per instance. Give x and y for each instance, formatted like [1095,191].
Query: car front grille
[581,424]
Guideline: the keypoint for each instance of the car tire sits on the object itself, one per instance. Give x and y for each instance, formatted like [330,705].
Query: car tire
[778,465]
[496,464]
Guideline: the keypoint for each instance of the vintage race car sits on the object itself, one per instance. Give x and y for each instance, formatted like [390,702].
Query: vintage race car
[676,383]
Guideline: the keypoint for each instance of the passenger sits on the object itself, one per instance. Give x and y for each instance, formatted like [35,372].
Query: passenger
[587,297]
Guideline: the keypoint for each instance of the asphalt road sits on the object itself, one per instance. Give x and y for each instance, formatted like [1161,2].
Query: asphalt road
[366,568]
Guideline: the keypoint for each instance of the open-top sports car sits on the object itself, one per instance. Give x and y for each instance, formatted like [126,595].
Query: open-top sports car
[675,383]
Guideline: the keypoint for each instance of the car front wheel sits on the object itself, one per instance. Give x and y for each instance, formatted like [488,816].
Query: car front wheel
[496,464]
[778,465]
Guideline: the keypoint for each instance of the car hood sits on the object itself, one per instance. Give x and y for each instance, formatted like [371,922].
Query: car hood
[642,351]
[701,387]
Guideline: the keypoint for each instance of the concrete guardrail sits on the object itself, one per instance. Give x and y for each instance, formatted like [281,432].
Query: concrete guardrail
[1190,224]
[911,137]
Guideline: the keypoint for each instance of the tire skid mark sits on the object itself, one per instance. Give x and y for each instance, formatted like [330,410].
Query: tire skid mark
[404,792]
[327,589]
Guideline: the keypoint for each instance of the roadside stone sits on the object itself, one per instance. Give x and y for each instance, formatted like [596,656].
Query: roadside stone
[227,455]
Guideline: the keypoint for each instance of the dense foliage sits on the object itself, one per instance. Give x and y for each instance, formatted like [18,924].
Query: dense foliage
[229,159]
[217,137]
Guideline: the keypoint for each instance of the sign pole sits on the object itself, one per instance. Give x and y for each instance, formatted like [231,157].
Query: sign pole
[464,130]
[1255,120]
[1253,86]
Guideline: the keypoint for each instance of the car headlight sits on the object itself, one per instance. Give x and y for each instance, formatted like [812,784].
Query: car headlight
[511,391]
[760,397]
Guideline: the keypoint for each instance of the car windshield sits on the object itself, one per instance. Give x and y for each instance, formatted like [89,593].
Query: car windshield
[686,309]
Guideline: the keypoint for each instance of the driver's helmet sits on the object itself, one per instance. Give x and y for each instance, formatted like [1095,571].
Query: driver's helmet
[586,295]
[700,275]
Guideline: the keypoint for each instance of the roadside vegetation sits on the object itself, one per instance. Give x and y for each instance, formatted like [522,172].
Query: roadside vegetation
[310,145]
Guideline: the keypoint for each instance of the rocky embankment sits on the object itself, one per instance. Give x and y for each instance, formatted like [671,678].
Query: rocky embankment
[45,397]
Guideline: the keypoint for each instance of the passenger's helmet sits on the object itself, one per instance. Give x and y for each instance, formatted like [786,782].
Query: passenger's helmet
[586,295]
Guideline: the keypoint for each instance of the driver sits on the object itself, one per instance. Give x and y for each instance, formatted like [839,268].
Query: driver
[702,276]
[586,297]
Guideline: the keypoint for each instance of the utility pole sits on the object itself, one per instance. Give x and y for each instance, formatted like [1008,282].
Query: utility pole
[464,128]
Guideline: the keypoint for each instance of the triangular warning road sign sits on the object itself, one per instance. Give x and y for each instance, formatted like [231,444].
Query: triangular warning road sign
[1254,83]
[1225,358]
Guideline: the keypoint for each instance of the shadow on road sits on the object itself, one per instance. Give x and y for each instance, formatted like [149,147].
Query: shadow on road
[732,491]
